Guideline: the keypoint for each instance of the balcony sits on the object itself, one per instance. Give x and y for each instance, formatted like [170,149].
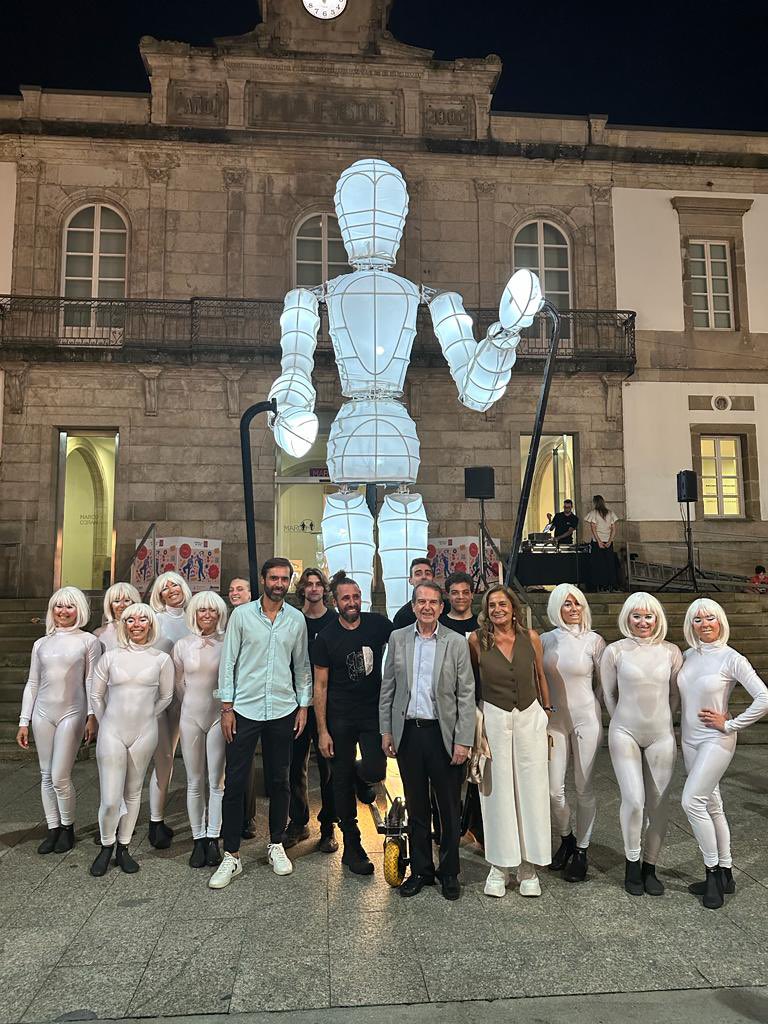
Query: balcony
[44,328]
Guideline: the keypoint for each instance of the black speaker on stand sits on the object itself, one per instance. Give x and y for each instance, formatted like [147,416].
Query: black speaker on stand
[480,483]
[687,493]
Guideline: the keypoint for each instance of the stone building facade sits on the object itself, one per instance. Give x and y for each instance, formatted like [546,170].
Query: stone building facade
[212,196]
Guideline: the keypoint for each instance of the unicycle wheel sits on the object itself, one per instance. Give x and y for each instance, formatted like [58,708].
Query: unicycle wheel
[394,861]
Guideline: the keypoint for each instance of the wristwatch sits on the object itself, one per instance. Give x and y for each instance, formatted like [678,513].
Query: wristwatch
[550,707]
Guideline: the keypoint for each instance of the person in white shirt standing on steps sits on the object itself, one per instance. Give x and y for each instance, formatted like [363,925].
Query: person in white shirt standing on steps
[262,699]
[711,669]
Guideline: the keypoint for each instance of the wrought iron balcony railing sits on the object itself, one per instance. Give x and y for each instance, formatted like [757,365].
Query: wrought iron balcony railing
[179,328]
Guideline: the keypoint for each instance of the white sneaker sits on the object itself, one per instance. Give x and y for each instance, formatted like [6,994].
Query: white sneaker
[529,886]
[496,882]
[279,859]
[229,868]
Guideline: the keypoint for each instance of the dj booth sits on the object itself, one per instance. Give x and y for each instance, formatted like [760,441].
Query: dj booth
[548,566]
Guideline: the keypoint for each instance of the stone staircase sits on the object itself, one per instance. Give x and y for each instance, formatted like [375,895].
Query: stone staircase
[22,621]
[747,616]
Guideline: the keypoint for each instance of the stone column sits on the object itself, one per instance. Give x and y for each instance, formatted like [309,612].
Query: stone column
[235,180]
[28,175]
[487,286]
[602,214]
[158,168]
[412,234]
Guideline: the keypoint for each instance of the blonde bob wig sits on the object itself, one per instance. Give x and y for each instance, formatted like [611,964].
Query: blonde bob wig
[647,602]
[705,606]
[206,599]
[74,598]
[115,593]
[555,607]
[138,609]
[155,598]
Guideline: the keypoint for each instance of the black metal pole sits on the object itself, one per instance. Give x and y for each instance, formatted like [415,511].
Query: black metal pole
[541,410]
[250,514]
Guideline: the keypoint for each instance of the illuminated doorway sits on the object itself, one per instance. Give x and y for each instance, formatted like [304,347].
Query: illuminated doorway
[85,534]
[553,478]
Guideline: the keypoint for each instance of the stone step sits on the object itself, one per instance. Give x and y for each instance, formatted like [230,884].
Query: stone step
[22,616]
[21,630]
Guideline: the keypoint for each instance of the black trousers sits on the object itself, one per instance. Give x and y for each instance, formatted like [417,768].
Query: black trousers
[299,812]
[424,762]
[348,731]
[276,746]
[249,798]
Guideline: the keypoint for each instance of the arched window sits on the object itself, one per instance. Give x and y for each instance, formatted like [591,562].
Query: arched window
[543,248]
[320,252]
[95,249]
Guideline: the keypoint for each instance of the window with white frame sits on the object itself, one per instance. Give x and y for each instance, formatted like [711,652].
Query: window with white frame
[95,250]
[722,486]
[320,252]
[543,248]
[709,267]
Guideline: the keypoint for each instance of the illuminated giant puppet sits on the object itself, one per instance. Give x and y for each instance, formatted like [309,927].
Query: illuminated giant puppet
[372,322]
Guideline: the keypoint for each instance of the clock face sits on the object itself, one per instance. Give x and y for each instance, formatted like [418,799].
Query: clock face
[325,9]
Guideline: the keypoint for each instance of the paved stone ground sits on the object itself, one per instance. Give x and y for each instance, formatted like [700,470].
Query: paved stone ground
[160,943]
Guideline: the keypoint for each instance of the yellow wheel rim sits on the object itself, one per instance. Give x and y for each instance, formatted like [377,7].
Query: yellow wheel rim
[394,868]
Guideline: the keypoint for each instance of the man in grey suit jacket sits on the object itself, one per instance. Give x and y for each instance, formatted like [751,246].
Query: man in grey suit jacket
[427,721]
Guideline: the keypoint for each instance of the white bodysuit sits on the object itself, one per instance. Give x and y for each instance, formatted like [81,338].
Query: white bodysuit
[173,626]
[196,661]
[571,664]
[132,687]
[56,702]
[107,634]
[706,680]
[639,682]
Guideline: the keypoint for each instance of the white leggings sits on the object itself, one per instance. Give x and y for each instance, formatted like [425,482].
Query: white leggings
[706,764]
[167,741]
[57,747]
[201,749]
[121,776]
[644,774]
[584,741]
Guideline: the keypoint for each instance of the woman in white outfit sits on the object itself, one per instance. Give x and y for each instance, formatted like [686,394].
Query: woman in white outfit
[169,599]
[639,681]
[196,659]
[132,686]
[572,653]
[711,669]
[56,702]
[116,600]
[514,792]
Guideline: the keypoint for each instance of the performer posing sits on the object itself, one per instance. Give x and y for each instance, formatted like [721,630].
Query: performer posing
[169,599]
[514,792]
[196,659]
[116,600]
[56,701]
[132,686]
[710,671]
[639,681]
[572,653]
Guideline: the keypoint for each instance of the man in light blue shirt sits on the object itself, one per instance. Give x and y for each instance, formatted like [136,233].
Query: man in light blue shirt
[262,698]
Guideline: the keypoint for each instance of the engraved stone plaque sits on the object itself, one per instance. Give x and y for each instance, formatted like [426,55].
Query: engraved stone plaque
[345,109]
[197,103]
[449,116]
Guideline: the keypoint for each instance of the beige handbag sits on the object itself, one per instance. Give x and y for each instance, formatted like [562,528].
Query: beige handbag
[481,752]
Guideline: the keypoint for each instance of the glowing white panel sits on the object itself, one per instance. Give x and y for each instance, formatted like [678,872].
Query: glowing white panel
[347,529]
[403,530]
[371,206]
[296,425]
[373,442]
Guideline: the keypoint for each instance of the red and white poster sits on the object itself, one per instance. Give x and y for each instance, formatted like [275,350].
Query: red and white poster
[461,554]
[197,560]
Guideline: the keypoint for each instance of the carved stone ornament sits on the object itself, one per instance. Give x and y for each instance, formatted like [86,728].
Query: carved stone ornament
[29,169]
[612,391]
[485,189]
[234,177]
[601,193]
[150,375]
[15,383]
[232,379]
[159,166]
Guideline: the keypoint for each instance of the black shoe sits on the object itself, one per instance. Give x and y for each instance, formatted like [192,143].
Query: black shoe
[633,877]
[48,845]
[101,864]
[160,835]
[413,884]
[328,841]
[576,868]
[355,858]
[451,887]
[564,852]
[198,857]
[366,793]
[726,881]
[125,861]
[247,832]
[66,839]
[295,835]
[212,853]
[713,889]
[651,883]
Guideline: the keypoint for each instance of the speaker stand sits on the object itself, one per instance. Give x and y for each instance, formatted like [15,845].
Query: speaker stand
[484,538]
[690,567]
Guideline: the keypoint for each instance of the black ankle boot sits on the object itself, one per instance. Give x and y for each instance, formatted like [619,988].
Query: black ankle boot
[101,864]
[199,850]
[355,857]
[713,889]
[212,853]
[160,835]
[576,868]
[125,861]
[633,877]
[651,883]
[48,845]
[726,880]
[564,852]
[66,839]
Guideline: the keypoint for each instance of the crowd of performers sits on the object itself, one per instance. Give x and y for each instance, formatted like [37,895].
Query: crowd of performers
[148,679]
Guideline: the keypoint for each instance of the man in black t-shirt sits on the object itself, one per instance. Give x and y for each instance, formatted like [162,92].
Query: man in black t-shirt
[420,572]
[312,591]
[564,524]
[347,663]
[458,615]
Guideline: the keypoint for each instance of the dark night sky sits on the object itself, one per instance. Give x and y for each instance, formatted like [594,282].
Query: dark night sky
[689,64]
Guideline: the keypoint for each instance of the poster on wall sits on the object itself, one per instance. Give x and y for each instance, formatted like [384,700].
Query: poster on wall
[197,560]
[461,554]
